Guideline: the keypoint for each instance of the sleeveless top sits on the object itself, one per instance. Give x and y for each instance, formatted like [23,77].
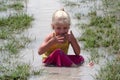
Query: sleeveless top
[63,46]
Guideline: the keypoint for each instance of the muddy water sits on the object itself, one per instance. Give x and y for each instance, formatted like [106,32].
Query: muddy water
[42,11]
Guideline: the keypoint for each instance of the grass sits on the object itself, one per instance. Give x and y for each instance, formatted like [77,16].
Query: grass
[17,22]
[111,71]
[4,34]
[78,16]
[92,13]
[95,56]
[102,33]
[70,3]
[37,71]
[3,7]
[102,21]
[16,6]
[14,45]
[10,26]
[17,73]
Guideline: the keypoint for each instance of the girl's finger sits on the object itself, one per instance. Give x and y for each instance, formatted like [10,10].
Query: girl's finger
[54,35]
[60,41]
[71,32]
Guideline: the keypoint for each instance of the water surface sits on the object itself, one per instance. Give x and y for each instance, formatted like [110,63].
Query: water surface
[42,11]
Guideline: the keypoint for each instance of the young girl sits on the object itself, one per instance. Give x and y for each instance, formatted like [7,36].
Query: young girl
[55,47]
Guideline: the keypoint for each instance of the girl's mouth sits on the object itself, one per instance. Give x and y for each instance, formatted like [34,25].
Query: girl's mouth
[63,34]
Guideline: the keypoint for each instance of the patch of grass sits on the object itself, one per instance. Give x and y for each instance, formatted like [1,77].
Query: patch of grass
[14,45]
[102,33]
[10,26]
[4,34]
[91,37]
[17,71]
[21,72]
[17,22]
[111,6]
[111,71]
[94,55]
[92,13]
[16,6]
[102,21]
[78,16]
[70,3]
[37,72]
[3,7]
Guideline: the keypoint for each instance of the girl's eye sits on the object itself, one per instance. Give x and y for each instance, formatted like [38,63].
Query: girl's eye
[58,28]
[65,28]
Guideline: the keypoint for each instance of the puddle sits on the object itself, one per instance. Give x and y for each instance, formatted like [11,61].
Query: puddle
[42,12]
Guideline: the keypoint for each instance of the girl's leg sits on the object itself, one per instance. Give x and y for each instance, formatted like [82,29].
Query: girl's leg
[77,59]
[58,58]
[51,58]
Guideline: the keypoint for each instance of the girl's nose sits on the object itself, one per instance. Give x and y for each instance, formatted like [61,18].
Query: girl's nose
[62,32]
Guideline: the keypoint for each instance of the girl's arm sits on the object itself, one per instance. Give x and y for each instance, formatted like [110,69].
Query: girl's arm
[49,41]
[74,43]
[75,46]
[45,45]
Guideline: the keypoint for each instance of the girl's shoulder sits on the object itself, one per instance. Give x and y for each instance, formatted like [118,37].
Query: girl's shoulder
[49,36]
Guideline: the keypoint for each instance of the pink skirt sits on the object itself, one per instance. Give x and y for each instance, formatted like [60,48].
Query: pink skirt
[60,59]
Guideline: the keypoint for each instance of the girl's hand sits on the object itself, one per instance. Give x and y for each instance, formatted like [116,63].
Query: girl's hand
[70,37]
[58,39]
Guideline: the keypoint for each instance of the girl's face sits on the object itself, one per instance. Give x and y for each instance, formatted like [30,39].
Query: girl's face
[61,29]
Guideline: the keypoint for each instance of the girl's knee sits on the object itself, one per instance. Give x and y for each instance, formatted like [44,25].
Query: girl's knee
[57,51]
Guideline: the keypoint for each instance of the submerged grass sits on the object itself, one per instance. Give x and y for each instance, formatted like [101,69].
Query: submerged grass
[70,3]
[102,33]
[4,34]
[16,6]
[10,26]
[78,16]
[16,22]
[18,73]
[14,45]
[111,71]
[11,4]
[3,7]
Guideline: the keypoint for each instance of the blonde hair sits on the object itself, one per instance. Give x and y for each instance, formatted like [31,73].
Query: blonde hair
[62,17]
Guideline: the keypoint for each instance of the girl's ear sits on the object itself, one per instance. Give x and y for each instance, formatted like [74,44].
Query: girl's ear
[52,26]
